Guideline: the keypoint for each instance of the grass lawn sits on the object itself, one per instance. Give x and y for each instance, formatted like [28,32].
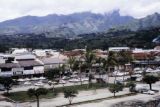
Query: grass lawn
[22,96]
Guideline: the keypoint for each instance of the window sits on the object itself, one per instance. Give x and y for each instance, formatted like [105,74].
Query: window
[28,68]
[6,69]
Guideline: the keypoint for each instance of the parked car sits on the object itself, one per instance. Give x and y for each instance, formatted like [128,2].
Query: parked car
[62,82]
[74,80]
[141,88]
[39,83]
[85,79]
[150,92]
[65,77]
[27,83]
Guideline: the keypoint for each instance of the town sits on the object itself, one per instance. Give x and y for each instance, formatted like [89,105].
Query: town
[123,71]
[80,53]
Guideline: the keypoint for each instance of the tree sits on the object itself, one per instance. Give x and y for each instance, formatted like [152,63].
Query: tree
[111,61]
[7,82]
[150,79]
[131,85]
[89,60]
[105,66]
[37,92]
[51,74]
[70,93]
[62,69]
[114,88]
[78,66]
[71,62]
[99,61]
[124,57]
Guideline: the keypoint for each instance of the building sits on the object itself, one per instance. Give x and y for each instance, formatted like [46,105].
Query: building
[117,49]
[20,65]
[53,62]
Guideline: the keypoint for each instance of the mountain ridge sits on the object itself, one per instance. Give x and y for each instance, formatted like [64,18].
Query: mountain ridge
[77,23]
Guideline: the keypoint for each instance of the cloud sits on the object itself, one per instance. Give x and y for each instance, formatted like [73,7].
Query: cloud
[10,9]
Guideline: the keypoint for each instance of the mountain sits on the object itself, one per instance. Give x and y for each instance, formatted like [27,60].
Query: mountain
[150,21]
[77,23]
[60,25]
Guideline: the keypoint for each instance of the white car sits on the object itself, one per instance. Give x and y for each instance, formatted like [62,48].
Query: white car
[74,80]
[27,83]
[118,73]
[150,92]
[85,79]
[139,79]
[39,84]
[20,80]
[62,82]
[138,72]
[34,79]
[27,79]
[52,82]
[42,78]
[65,78]
[137,69]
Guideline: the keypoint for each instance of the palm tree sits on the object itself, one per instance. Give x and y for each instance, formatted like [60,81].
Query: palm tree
[71,62]
[105,66]
[89,60]
[111,61]
[62,69]
[124,57]
[99,61]
[37,92]
[80,66]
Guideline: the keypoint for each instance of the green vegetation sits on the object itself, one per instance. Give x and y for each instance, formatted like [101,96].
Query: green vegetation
[22,96]
[150,79]
[131,85]
[7,83]
[70,93]
[139,39]
[37,93]
[114,88]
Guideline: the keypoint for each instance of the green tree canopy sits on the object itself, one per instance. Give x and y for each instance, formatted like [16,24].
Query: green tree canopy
[150,79]
[37,92]
[70,93]
[7,82]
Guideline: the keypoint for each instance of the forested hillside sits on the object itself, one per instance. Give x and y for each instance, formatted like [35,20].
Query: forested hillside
[139,39]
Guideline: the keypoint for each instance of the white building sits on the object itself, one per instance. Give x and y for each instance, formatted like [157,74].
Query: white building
[20,64]
[19,50]
[117,49]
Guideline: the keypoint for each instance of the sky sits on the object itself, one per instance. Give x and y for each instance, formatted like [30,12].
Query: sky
[10,9]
